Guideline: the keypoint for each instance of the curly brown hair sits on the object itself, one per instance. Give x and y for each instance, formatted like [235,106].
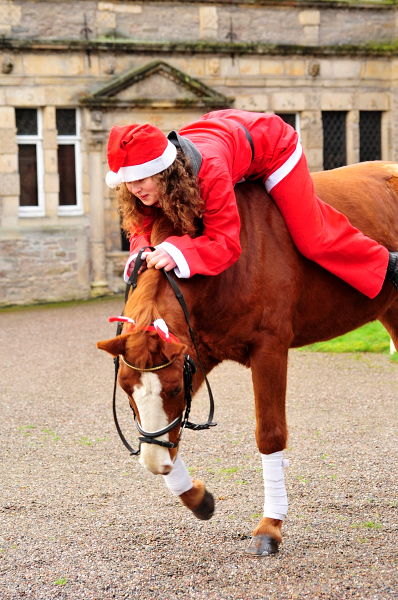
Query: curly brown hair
[179,199]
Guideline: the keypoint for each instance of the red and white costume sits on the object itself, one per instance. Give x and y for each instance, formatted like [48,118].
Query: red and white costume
[319,231]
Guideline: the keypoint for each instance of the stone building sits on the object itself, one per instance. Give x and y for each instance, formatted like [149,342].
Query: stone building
[71,70]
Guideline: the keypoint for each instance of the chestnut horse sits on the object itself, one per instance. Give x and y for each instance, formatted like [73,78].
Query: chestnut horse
[270,300]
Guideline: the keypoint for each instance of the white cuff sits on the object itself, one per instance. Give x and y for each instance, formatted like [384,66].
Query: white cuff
[130,259]
[182,269]
[285,169]
[128,263]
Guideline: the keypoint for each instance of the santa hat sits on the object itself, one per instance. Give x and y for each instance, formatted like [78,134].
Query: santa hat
[136,152]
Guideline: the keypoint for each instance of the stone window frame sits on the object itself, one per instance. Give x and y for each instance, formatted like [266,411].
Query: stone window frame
[77,209]
[298,125]
[37,140]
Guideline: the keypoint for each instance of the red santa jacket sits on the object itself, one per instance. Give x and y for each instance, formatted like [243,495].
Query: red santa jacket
[226,160]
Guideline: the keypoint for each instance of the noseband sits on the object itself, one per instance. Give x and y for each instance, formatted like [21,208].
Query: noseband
[189,369]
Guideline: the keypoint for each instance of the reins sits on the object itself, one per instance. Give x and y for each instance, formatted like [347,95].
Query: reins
[189,369]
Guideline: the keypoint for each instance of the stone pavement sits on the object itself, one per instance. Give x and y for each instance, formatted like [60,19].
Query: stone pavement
[80,518]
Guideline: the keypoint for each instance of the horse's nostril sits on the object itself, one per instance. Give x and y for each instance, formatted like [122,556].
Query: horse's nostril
[166,469]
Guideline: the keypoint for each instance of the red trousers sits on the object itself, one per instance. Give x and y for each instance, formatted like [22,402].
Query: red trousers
[325,236]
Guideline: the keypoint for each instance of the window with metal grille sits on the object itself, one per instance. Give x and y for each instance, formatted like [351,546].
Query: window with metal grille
[69,161]
[26,121]
[334,139]
[369,135]
[66,121]
[30,162]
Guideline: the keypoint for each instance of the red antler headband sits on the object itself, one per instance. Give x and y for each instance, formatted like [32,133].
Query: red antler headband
[159,326]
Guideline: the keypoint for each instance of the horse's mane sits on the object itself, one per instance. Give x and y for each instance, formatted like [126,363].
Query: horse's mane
[162,228]
[142,304]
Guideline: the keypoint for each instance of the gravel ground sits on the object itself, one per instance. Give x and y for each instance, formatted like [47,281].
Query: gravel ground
[81,519]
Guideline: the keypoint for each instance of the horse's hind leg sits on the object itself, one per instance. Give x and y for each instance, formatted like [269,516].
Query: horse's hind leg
[390,321]
[269,370]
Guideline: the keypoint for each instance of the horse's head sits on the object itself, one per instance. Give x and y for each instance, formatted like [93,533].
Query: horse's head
[151,374]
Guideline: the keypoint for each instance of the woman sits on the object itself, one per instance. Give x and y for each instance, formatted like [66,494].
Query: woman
[197,182]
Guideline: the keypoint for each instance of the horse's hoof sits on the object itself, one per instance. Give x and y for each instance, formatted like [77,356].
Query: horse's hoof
[262,545]
[205,510]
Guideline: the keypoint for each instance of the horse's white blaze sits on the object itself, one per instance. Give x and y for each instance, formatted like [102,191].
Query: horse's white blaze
[153,417]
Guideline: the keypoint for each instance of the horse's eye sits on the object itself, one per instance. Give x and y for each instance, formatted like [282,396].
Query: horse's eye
[176,391]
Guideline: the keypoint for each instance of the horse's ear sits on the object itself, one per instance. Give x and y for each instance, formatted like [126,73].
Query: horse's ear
[171,351]
[115,346]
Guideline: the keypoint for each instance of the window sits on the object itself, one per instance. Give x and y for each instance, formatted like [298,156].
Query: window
[289,118]
[369,135]
[125,241]
[69,161]
[292,119]
[30,162]
[334,139]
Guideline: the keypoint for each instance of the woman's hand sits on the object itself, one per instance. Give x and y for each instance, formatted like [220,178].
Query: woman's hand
[160,259]
[142,268]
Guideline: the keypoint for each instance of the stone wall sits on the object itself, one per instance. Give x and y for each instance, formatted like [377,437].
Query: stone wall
[9,179]
[310,57]
[115,264]
[270,22]
[44,266]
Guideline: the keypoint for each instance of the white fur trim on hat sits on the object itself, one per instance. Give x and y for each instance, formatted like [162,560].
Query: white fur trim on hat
[152,167]
[113,180]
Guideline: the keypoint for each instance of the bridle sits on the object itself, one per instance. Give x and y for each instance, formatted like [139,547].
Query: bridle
[189,369]
[149,437]
[157,368]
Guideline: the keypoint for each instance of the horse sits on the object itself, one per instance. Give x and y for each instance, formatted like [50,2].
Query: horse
[272,299]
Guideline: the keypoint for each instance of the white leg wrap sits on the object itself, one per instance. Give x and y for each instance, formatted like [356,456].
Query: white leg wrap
[179,480]
[275,497]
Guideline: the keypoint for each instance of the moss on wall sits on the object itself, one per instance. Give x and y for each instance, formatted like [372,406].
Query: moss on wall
[373,48]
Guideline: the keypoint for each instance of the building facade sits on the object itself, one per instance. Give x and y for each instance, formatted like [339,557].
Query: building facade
[69,71]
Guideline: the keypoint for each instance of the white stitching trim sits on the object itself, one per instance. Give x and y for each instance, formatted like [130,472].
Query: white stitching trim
[285,169]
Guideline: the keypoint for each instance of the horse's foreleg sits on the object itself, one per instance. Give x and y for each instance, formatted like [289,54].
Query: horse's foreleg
[269,369]
[199,501]
[390,321]
[192,493]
